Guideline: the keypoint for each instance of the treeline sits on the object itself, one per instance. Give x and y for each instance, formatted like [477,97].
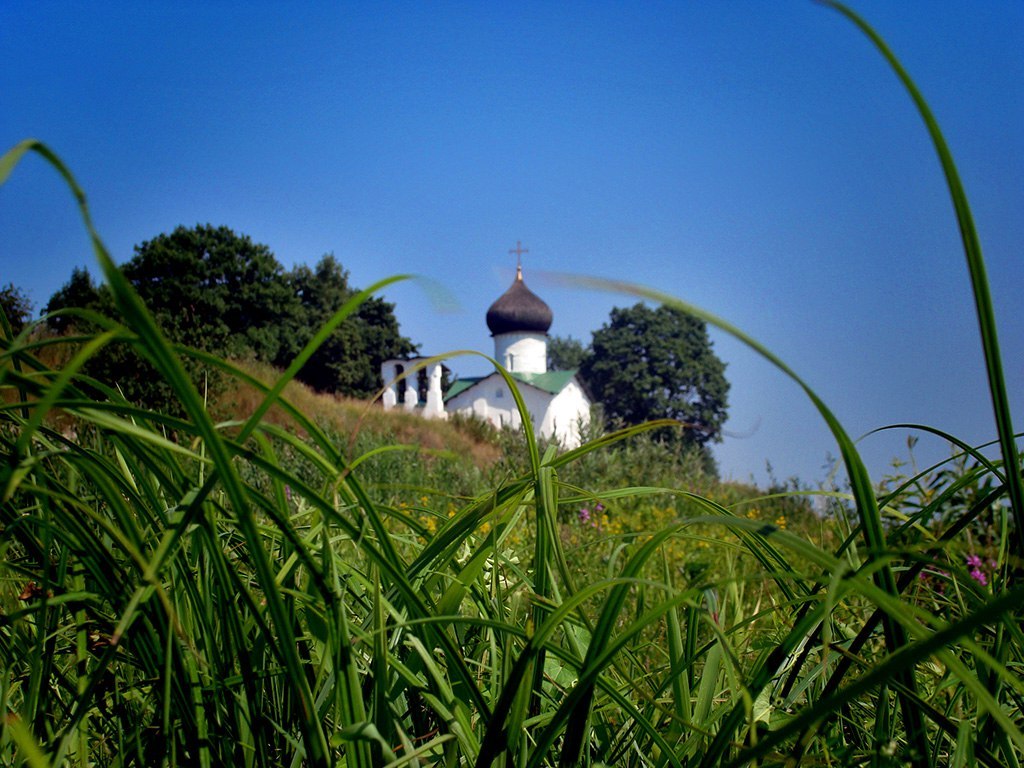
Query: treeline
[217,291]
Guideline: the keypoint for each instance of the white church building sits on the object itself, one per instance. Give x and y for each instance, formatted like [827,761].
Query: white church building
[519,321]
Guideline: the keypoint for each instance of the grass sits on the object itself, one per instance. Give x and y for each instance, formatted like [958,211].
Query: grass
[259,588]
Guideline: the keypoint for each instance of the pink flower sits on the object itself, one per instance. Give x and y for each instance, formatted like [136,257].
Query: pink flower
[974,561]
[584,515]
[979,577]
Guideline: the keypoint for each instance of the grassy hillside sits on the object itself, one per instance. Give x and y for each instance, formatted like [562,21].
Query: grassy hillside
[271,580]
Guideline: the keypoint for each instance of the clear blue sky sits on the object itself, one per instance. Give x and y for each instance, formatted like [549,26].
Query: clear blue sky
[755,158]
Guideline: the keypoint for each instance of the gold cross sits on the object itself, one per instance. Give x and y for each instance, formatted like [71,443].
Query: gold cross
[519,251]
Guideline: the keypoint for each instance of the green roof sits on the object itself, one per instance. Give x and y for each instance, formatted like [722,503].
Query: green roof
[461,385]
[552,382]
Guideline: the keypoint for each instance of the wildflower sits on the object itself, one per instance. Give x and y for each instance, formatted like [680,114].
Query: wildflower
[288,492]
[980,577]
[780,521]
[974,561]
[583,515]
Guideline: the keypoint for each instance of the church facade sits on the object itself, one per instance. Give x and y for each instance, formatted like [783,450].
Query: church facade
[519,321]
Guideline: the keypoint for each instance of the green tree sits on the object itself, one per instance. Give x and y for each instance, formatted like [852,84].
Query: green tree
[218,291]
[81,292]
[565,353]
[658,363]
[16,307]
[349,360]
[215,290]
[206,287]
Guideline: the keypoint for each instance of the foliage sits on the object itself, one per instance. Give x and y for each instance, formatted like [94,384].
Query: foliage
[80,291]
[349,361]
[214,290]
[182,591]
[16,306]
[647,364]
[252,596]
[565,353]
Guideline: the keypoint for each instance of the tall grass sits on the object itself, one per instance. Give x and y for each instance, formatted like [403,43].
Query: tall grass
[183,591]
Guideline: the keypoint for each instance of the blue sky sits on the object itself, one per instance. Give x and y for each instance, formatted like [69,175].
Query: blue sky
[757,159]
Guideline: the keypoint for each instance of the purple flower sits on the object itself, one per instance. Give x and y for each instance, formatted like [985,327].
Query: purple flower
[979,577]
[974,561]
[584,515]
[288,492]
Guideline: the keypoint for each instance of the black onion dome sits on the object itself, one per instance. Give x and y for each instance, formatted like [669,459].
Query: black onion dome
[519,310]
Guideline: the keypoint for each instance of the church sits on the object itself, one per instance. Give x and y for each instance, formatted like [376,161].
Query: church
[519,321]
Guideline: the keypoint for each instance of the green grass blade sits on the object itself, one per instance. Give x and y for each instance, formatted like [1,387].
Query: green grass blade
[976,269]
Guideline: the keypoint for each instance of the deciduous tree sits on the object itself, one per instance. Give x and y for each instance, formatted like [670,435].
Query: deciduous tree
[349,360]
[213,289]
[218,291]
[80,292]
[565,353]
[658,363]
[16,306]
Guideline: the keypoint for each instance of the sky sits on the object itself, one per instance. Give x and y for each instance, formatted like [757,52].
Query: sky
[757,159]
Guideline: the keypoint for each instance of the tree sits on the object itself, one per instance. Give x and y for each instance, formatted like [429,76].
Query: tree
[215,290]
[565,353]
[16,307]
[658,363]
[80,292]
[220,292]
[206,287]
[349,360]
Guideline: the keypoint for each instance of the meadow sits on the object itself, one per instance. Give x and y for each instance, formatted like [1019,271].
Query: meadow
[261,581]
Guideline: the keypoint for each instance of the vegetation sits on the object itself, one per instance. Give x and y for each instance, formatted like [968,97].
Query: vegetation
[260,589]
[16,306]
[565,353]
[214,290]
[658,363]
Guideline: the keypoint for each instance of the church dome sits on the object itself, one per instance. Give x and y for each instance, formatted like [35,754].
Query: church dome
[519,310]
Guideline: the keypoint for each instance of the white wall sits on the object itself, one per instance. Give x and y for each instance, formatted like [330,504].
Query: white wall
[522,352]
[553,415]
[567,411]
[489,399]
[391,370]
